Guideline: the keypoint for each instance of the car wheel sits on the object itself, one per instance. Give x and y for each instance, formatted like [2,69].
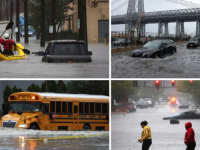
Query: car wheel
[86,127]
[156,56]
[173,52]
[173,121]
[34,127]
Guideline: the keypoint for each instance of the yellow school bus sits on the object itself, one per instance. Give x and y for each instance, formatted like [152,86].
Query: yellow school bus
[53,111]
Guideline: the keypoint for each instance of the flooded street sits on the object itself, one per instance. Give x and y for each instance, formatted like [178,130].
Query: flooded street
[33,67]
[85,140]
[184,64]
[126,129]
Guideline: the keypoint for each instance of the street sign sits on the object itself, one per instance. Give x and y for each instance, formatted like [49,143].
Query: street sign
[50,29]
[78,23]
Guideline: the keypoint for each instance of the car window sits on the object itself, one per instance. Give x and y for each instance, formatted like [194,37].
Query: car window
[168,42]
[48,49]
[67,49]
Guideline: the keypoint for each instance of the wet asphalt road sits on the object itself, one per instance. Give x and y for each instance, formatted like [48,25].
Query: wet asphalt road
[21,143]
[33,67]
[184,64]
[126,130]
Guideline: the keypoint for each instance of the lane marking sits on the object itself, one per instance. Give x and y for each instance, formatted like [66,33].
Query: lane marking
[66,137]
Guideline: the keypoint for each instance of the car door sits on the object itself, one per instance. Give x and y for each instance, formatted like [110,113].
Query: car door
[168,47]
[163,49]
[198,42]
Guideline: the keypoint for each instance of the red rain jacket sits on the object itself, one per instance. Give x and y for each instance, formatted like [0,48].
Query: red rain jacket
[7,43]
[189,135]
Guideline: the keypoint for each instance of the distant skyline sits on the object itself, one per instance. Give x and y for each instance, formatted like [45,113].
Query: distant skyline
[155,5]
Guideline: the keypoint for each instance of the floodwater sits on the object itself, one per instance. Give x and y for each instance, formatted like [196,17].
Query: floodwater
[10,141]
[126,129]
[183,64]
[33,67]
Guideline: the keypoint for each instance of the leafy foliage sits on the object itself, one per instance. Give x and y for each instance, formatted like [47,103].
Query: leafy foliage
[35,15]
[7,92]
[88,87]
[192,88]
[121,89]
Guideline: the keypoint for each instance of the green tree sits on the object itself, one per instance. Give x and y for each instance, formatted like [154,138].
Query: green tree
[15,89]
[192,88]
[121,90]
[34,13]
[88,87]
[33,88]
[7,92]
[43,87]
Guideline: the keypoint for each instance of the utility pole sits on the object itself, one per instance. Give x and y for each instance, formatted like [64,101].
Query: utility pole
[17,20]
[11,17]
[26,21]
[53,18]
[83,20]
[42,25]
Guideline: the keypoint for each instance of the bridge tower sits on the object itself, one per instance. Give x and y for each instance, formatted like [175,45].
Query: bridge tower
[135,8]
[198,28]
[129,17]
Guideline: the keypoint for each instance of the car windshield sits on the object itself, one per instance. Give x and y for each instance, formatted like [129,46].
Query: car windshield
[193,39]
[25,106]
[176,114]
[153,44]
[69,49]
[29,28]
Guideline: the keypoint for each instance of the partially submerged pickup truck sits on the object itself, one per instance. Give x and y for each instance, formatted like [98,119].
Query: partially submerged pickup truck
[65,51]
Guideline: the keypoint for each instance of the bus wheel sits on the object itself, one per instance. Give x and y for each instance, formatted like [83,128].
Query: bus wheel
[34,126]
[86,127]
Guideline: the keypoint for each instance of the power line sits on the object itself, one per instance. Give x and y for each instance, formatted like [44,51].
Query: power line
[185,3]
[115,1]
[123,4]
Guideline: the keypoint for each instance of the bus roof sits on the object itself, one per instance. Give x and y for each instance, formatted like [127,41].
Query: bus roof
[68,95]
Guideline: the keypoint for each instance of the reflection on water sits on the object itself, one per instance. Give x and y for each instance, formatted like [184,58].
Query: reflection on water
[33,143]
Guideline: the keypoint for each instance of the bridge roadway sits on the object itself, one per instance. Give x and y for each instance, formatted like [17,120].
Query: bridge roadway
[185,15]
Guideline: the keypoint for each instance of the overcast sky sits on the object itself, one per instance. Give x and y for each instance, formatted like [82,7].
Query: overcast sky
[155,5]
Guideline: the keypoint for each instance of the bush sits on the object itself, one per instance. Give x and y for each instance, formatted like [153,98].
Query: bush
[67,35]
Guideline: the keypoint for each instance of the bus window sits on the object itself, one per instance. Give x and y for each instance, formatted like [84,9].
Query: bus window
[69,107]
[80,107]
[52,105]
[45,108]
[58,107]
[104,108]
[75,109]
[86,107]
[91,108]
[64,107]
[97,107]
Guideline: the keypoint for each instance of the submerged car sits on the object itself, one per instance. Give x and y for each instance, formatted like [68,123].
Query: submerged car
[193,42]
[184,115]
[183,106]
[66,51]
[155,49]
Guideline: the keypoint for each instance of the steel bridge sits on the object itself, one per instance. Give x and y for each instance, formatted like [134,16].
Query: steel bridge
[161,17]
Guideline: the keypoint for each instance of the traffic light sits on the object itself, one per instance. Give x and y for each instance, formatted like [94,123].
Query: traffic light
[173,83]
[157,84]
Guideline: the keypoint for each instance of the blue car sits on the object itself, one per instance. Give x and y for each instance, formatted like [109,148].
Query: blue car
[31,31]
